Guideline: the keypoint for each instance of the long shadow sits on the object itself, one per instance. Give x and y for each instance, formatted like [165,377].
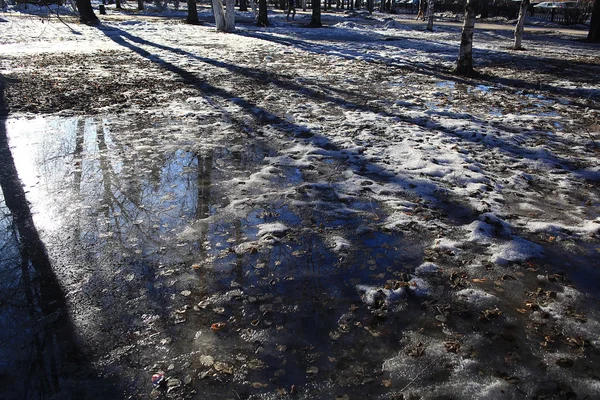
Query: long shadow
[39,345]
[356,162]
[517,84]
[481,57]
[551,160]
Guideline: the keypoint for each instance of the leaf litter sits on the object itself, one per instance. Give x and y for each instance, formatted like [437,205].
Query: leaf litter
[449,217]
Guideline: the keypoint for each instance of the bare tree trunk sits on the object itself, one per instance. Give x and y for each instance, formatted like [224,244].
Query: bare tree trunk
[219,15]
[520,25]
[594,33]
[229,15]
[192,15]
[140,5]
[315,21]
[464,66]
[430,15]
[303,5]
[243,5]
[263,19]
[86,12]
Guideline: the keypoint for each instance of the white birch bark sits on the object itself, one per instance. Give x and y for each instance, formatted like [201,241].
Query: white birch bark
[219,15]
[229,15]
[464,65]
[430,14]
[520,24]
[224,15]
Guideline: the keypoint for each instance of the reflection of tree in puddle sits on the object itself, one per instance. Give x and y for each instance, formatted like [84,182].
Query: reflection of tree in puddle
[157,234]
[37,338]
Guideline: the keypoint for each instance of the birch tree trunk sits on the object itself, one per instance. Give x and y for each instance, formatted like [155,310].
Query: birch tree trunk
[219,14]
[430,14]
[464,65]
[520,25]
[229,15]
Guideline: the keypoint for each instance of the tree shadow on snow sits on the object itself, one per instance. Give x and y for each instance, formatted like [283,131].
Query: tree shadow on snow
[357,163]
[481,57]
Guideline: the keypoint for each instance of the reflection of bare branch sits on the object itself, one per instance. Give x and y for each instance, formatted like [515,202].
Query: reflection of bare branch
[43,297]
[77,154]
[120,205]
[204,184]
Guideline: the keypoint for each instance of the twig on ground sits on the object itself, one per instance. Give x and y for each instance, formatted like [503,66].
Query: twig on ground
[420,373]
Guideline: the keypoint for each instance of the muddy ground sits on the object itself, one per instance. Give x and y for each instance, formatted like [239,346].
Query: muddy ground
[297,214]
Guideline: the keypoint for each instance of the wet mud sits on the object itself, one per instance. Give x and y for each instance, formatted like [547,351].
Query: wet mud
[252,234]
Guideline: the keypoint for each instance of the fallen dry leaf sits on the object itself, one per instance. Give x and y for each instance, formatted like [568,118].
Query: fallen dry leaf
[218,326]
[223,368]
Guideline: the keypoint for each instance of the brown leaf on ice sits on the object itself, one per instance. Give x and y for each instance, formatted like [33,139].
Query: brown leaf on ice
[223,368]
[490,313]
[218,326]
[452,346]
[416,351]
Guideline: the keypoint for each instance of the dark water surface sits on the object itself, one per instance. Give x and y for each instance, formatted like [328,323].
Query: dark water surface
[155,232]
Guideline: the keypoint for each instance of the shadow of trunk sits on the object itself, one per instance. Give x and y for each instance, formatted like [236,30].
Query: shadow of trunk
[40,355]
